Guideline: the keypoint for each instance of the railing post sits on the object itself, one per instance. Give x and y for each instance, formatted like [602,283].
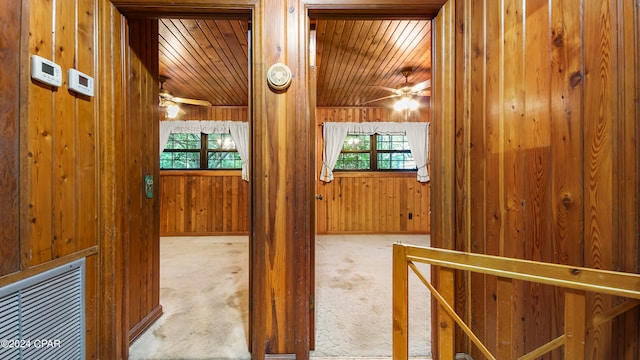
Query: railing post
[504,293]
[400,303]
[574,323]
[446,324]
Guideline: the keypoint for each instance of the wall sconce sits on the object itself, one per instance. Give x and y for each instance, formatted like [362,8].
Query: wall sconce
[406,103]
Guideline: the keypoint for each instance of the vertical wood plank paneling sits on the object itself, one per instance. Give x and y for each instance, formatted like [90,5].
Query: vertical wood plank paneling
[629,133]
[216,205]
[152,164]
[537,157]
[480,304]
[142,160]
[370,203]
[36,243]
[235,113]
[85,126]
[442,162]
[550,159]
[10,60]
[598,166]
[87,168]
[134,163]
[462,165]
[512,188]
[64,136]
[567,72]
[113,313]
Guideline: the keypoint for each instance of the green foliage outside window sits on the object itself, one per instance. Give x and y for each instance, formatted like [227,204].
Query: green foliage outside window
[200,151]
[375,152]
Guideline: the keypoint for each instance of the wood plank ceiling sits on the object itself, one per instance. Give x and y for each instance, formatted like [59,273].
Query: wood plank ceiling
[208,59]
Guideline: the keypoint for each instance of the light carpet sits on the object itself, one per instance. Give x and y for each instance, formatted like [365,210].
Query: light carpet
[204,294]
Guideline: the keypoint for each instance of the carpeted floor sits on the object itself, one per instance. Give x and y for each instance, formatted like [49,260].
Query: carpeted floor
[204,294]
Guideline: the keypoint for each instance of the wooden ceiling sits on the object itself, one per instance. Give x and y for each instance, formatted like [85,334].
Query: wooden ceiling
[208,59]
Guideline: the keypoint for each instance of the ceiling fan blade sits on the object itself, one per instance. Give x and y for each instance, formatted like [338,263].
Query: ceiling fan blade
[378,99]
[191,101]
[421,86]
[396,91]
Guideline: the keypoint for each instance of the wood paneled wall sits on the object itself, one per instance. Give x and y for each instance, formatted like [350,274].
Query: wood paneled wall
[379,202]
[76,194]
[48,146]
[204,203]
[142,159]
[112,306]
[545,161]
[10,112]
[222,113]
[376,203]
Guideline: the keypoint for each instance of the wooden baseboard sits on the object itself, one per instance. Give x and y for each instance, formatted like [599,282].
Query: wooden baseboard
[144,324]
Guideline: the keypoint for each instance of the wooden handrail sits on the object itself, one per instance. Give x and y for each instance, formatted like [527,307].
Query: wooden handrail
[577,281]
[573,277]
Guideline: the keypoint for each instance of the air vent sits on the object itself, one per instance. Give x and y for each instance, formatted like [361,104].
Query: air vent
[42,317]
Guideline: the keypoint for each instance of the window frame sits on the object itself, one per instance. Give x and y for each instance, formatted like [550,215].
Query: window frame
[373,158]
[203,155]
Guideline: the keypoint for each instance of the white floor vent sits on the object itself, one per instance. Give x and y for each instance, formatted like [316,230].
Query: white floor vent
[42,317]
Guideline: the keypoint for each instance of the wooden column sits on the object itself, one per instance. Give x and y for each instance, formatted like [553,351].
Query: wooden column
[443,200]
[9,145]
[574,324]
[400,303]
[281,188]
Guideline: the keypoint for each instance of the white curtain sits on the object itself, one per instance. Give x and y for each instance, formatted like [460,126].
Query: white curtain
[165,132]
[418,138]
[239,131]
[335,133]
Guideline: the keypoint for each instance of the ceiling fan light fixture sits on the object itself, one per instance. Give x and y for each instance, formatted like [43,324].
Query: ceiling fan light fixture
[172,110]
[406,103]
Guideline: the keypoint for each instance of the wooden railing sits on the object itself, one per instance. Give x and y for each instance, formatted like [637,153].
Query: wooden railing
[576,280]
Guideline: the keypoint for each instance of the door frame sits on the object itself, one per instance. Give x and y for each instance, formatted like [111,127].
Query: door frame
[382,9]
[350,9]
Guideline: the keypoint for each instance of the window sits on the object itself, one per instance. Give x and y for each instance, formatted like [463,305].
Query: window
[375,153]
[200,151]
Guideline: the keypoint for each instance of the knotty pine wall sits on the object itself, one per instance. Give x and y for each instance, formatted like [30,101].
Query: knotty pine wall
[216,203]
[544,101]
[48,143]
[73,164]
[205,202]
[368,202]
[142,158]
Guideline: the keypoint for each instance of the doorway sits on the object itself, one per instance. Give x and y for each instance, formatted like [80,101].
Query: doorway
[361,65]
[202,196]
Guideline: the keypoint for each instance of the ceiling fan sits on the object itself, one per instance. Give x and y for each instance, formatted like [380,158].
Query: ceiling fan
[406,90]
[167,99]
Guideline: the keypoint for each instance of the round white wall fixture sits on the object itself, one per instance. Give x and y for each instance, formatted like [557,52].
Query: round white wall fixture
[279,76]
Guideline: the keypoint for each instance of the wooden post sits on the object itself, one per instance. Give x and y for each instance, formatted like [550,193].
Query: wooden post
[504,347]
[574,323]
[400,302]
[446,324]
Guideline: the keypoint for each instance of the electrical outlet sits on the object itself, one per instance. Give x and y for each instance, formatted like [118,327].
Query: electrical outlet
[410,216]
